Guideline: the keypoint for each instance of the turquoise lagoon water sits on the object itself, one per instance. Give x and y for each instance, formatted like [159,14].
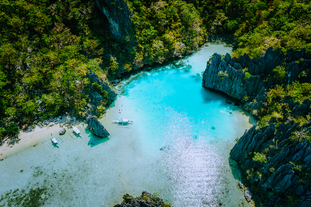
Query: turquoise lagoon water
[177,147]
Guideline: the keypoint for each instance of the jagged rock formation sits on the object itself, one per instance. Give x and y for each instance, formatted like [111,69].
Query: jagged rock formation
[95,79]
[96,97]
[97,128]
[275,160]
[229,75]
[285,167]
[145,200]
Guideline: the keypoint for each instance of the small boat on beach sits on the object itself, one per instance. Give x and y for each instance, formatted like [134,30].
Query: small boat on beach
[76,130]
[122,121]
[54,141]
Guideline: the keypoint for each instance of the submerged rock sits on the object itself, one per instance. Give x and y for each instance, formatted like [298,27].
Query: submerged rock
[97,128]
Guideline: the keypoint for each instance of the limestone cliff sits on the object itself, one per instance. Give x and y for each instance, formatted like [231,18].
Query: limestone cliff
[96,95]
[276,162]
[119,17]
[248,79]
[276,159]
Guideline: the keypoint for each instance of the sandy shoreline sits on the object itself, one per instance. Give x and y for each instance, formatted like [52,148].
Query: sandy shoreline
[42,134]
[37,135]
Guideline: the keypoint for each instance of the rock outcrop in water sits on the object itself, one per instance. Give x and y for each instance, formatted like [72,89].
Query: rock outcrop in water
[97,128]
[145,200]
[276,159]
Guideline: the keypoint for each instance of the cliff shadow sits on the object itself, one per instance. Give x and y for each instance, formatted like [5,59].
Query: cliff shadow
[209,95]
[235,169]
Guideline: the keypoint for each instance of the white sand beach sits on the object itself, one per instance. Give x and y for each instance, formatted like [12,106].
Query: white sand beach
[31,137]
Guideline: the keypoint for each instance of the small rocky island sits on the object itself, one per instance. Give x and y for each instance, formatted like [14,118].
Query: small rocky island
[145,200]
[274,157]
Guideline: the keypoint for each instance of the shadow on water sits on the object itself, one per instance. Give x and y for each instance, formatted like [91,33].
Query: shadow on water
[209,95]
[235,169]
[94,141]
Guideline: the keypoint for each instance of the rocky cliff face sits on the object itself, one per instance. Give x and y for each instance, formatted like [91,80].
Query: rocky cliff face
[97,128]
[248,79]
[119,17]
[94,94]
[275,160]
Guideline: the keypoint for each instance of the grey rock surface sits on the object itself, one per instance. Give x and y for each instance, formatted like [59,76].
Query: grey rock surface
[248,194]
[62,131]
[95,79]
[95,96]
[119,17]
[97,128]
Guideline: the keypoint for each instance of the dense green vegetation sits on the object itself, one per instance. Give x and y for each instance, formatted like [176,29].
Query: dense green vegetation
[45,49]
[259,24]
[279,97]
[47,46]
[161,26]
[165,30]
[277,24]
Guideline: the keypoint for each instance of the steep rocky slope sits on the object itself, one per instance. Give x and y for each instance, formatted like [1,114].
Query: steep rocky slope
[248,79]
[119,17]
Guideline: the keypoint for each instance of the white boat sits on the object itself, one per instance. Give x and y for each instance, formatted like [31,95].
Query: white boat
[122,121]
[54,141]
[76,130]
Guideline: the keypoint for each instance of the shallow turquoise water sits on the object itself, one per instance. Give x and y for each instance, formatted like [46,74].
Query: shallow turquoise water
[195,129]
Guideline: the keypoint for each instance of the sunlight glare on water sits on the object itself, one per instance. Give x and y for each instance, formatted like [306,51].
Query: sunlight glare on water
[177,147]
